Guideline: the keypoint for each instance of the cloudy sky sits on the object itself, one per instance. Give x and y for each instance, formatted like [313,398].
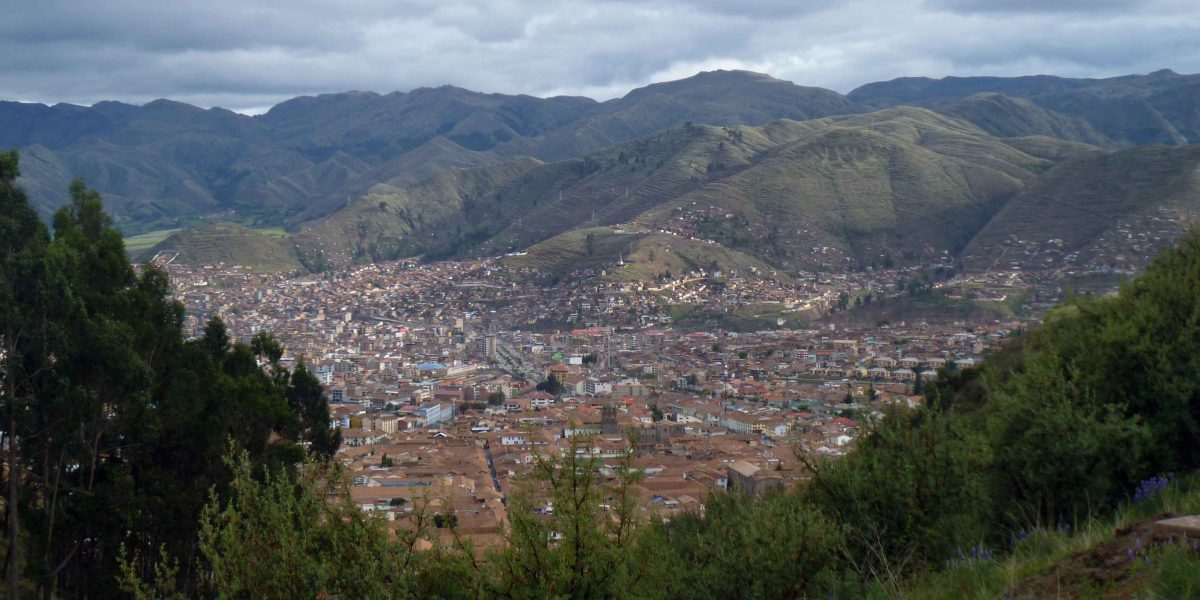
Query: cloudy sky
[249,54]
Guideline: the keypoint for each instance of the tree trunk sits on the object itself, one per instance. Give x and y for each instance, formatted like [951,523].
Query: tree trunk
[14,575]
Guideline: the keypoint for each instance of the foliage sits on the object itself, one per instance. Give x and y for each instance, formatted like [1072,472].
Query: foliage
[574,534]
[908,495]
[1028,439]
[777,547]
[120,424]
[551,385]
[293,535]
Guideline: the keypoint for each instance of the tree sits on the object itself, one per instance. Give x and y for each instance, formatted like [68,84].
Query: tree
[114,425]
[495,398]
[928,462]
[843,300]
[551,386]
[281,536]
[590,545]
[306,397]
[26,295]
[795,550]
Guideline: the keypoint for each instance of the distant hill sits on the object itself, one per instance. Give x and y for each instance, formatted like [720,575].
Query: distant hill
[712,98]
[850,190]
[790,176]
[167,164]
[1132,198]
[1162,107]
[625,255]
[837,191]
[162,163]
[1003,116]
[231,244]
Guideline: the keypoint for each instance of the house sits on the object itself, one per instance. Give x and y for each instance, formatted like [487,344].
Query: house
[514,439]
[751,480]
[540,399]
[353,438]
[432,370]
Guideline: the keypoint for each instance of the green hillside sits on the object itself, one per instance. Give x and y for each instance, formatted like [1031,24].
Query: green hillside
[1158,107]
[429,216]
[1002,116]
[231,244]
[835,191]
[628,255]
[1095,199]
[904,182]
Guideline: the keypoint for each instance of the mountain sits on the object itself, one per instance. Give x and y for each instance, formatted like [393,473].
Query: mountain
[712,98]
[791,176]
[1003,116]
[231,244]
[167,163]
[1161,107]
[419,218]
[1093,205]
[624,255]
[837,191]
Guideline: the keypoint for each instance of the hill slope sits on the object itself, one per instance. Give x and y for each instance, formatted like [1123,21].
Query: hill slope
[905,181]
[231,244]
[1095,204]
[850,187]
[1003,116]
[167,161]
[1161,107]
[625,255]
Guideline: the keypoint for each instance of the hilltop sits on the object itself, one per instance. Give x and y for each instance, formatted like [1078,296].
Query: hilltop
[231,244]
[621,255]
[1131,109]
[165,164]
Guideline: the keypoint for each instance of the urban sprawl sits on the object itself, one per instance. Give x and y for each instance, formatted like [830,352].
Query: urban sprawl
[449,380]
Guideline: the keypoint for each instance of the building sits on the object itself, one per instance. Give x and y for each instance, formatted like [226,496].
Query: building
[486,347]
[751,480]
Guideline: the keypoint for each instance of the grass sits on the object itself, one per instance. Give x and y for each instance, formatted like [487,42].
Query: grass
[145,241]
[233,244]
[756,317]
[276,232]
[150,239]
[1010,306]
[1057,562]
[646,256]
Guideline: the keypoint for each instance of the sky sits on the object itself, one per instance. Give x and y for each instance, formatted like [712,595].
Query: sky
[247,55]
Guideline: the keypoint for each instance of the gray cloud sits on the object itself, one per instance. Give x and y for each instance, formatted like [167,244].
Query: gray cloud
[249,54]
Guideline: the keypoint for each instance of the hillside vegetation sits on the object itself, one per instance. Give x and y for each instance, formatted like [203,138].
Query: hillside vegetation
[856,186]
[838,192]
[167,161]
[230,244]
[1093,198]
[628,256]
[1132,109]
[165,164]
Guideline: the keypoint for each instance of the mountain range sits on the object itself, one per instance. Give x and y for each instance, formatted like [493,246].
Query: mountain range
[778,175]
